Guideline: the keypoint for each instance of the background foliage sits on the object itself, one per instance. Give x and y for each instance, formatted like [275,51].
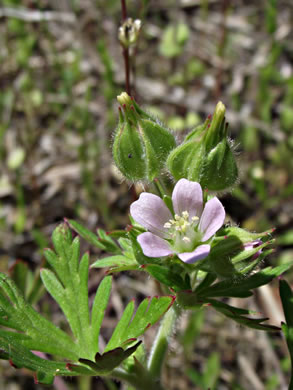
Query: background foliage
[61,70]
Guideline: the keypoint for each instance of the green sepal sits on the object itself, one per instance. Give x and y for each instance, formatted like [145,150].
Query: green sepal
[206,155]
[219,170]
[243,235]
[184,158]
[141,144]
[128,152]
[198,131]
[217,131]
[169,203]
[230,259]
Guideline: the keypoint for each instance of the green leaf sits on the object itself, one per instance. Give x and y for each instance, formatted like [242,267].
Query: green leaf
[109,360]
[118,234]
[58,292]
[121,262]
[286,295]
[242,288]
[117,336]
[167,276]
[19,272]
[86,234]
[147,314]
[98,309]
[45,370]
[38,333]
[237,315]
[109,244]
[67,282]
[115,261]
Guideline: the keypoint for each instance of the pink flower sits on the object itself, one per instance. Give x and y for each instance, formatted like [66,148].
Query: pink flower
[188,233]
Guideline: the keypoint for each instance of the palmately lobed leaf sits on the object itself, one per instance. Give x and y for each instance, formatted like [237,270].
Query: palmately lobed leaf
[67,282]
[132,326]
[109,360]
[44,370]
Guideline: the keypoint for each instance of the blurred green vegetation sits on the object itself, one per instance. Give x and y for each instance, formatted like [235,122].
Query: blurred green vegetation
[61,70]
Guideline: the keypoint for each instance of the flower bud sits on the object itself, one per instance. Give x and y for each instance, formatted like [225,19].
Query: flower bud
[141,145]
[238,252]
[206,155]
[129,31]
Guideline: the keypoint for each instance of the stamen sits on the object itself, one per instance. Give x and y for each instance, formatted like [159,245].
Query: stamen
[185,214]
[195,218]
[167,225]
[186,239]
[184,227]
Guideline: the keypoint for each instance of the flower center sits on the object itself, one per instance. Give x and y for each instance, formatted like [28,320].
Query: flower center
[183,233]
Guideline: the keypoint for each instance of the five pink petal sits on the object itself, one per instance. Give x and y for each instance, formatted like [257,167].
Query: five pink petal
[151,212]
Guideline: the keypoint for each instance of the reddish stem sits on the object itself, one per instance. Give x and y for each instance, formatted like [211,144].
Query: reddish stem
[124,10]
[127,70]
[126,51]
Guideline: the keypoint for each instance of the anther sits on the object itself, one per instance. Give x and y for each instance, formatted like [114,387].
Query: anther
[185,214]
[167,225]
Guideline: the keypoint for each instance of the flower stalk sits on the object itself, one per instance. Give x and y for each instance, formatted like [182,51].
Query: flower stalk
[125,51]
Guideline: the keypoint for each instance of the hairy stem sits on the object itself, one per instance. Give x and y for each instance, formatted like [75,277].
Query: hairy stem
[160,346]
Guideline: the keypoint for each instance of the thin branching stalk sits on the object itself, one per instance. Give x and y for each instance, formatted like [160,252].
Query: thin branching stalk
[125,52]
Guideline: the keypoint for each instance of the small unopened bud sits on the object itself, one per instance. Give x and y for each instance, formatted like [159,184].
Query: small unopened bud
[129,31]
[206,155]
[238,253]
[141,144]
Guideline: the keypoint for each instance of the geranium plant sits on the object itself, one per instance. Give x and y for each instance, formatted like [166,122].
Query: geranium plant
[178,236]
